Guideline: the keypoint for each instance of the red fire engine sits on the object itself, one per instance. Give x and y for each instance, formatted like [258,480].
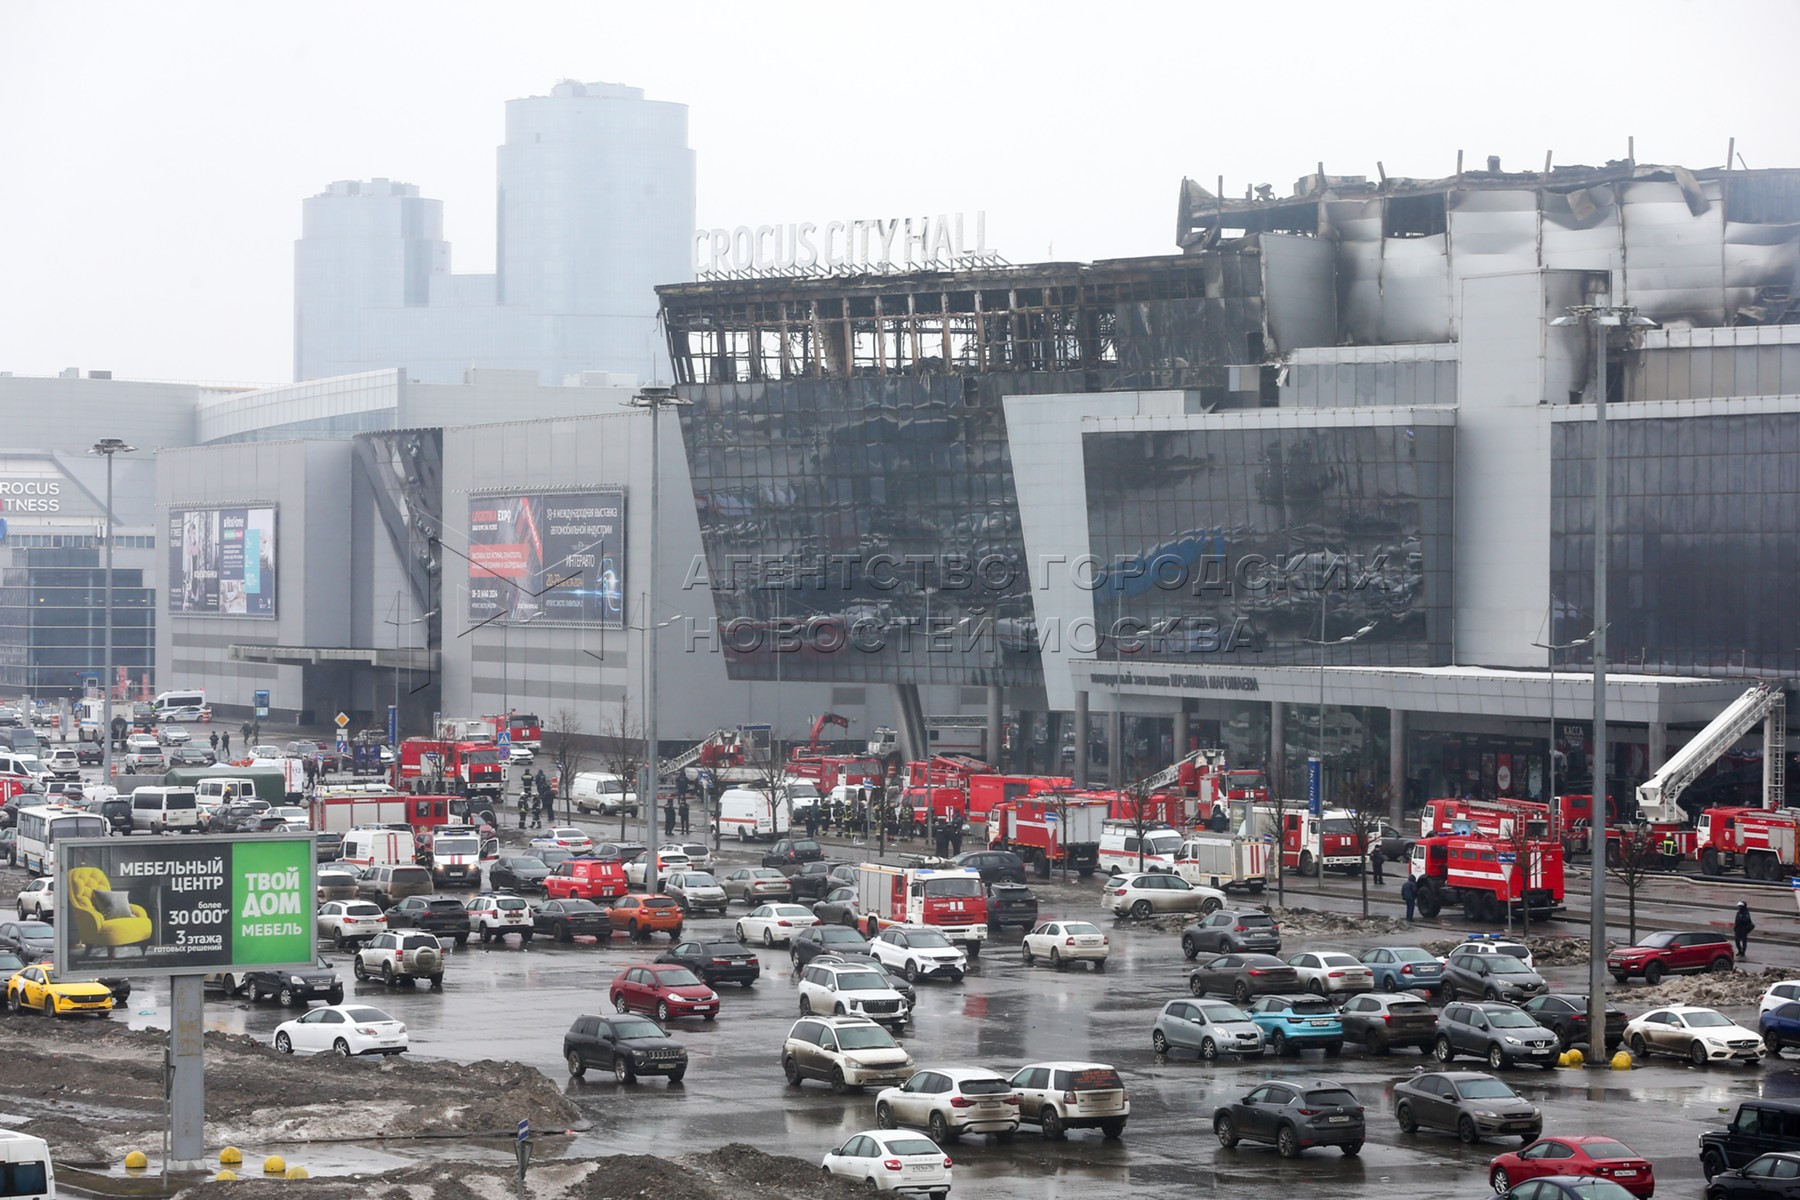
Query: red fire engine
[1765,842]
[524,729]
[950,900]
[937,787]
[1498,818]
[985,791]
[1309,844]
[465,768]
[1033,830]
[1202,783]
[1487,875]
[1762,839]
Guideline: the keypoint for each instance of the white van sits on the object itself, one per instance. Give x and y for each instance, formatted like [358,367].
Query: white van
[180,706]
[802,794]
[26,765]
[161,809]
[379,847]
[25,1169]
[602,792]
[1119,849]
[746,814]
[212,793]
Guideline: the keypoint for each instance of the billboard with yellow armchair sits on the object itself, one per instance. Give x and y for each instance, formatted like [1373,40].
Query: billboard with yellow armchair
[184,905]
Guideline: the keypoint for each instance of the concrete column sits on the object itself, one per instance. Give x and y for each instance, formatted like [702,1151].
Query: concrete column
[1278,749]
[1115,748]
[1181,735]
[1081,740]
[1396,765]
[1659,744]
[187,1093]
[993,724]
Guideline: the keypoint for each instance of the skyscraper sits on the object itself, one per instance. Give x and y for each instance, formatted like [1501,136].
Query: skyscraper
[596,207]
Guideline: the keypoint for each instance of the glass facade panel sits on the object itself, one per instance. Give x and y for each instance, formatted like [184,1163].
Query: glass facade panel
[1704,545]
[53,622]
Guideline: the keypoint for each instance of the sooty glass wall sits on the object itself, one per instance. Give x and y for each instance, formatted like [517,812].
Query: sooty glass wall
[1224,545]
[1704,553]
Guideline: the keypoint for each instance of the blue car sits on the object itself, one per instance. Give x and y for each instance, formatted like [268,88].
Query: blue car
[1404,969]
[1289,1023]
[1780,1027]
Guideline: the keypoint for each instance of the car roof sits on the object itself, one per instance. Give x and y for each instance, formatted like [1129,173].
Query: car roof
[1683,1008]
[1253,956]
[1389,997]
[961,1074]
[1492,1005]
[1308,996]
[1460,1076]
[1070,1065]
[837,1022]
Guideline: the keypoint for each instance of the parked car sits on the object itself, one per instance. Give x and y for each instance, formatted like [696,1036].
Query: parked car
[1332,972]
[1671,952]
[583,878]
[387,886]
[1232,931]
[38,988]
[1491,976]
[1382,1021]
[1579,1154]
[669,861]
[62,763]
[564,837]
[772,923]
[1064,942]
[814,879]
[894,979]
[30,939]
[843,990]
[1292,1023]
[699,854]
[494,915]
[1142,894]
[1207,1027]
[1701,1035]
[627,1045]
[951,1101]
[756,885]
[1242,976]
[845,1052]
[1294,1116]
[442,915]
[192,756]
[994,866]
[664,989]
[292,988]
[566,920]
[1011,904]
[394,956]
[1499,1033]
[888,1160]
[1404,969]
[1778,995]
[336,884]
[1767,1175]
[815,940]
[1060,1096]
[1467,1103]
[1566,1015]
[346,1029]
[788,854]
[919,952]
[1495,943]
[715,962]
[696,892]
[37,899]
[346,922]
[641,916]
[1759,1126]
[841,906]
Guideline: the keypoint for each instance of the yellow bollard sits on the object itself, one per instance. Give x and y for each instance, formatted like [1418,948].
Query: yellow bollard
[1577,1058]
[230,1156]
[274,1165]
[298,1173]
[1562,1060]
[1621,1061]
[225,1176]
[137,1160]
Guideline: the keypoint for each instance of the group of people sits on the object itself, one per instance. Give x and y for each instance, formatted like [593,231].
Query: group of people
[537,802]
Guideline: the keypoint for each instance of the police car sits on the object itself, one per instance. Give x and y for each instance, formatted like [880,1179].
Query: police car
[1494,943]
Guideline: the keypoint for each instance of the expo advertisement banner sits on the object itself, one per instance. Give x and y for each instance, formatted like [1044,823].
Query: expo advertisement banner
[185,905]
[222,561]
[561,554]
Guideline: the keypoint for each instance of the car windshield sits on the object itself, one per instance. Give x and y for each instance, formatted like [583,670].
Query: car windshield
[361,910]
[1256,920]
[1326,1096]
[939,889]
[1485,1089]
[1313,1008]
[509,903]
[927,939]
[766,873]
[865,1037]
[1606,1149]
[698,879]
[1224,1012]
[1339,960]
[443,905]
[1705,1019]
[1411,954]
[626,1028]
[526,863]
[1656,940]
[366,1014]
[1596,1189]
[1518,952]
[1408,1009]
[1506,964]
[579,906]
[984,1087]
[1340,826]
[676,977]
[861,981]
[35,929]
[1509,1018]
[840,935]
[911,1145]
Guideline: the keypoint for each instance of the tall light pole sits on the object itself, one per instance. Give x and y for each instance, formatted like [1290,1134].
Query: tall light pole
[397,623]
[108,447]
[1553,648]
[1322,642]
[1601,317]
[656,399]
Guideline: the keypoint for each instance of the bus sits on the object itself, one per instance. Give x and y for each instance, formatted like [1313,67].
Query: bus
[41,827]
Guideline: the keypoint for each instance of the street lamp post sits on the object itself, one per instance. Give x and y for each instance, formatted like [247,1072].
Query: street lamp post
[656,400]
[108,447]
[1553,648]
[1319,756]
[397,623]
[1601,317]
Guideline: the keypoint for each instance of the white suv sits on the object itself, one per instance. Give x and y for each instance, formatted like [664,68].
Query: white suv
[845,1052]
[496,914]
[1059,1096]
[401,954]
[844,989]
[63,763]
[917,951]
[951,1101]
[38,898]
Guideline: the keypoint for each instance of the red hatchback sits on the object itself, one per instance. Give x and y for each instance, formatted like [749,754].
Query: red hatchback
[664,989]
[1602,1157]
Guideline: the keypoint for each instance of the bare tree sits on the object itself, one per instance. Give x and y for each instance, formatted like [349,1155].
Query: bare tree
[622,753]
[1139,816]
[564,734]
[1639,857]
[1368,805]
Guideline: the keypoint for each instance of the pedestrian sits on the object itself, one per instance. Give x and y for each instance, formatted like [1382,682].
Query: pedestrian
[546,797]
[214,739]
[956,834]
[225,743]
[1409,893]
[1376,859]
[669,815]
[686,817]
[1219,822]
[812,819]
[940,837]
[1741,927]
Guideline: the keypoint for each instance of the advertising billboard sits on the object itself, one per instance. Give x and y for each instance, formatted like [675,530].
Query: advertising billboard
[183,906]
[222,561]
[561,554]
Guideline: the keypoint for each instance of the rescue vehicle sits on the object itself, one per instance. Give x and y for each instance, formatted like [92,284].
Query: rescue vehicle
[948,899]
[1045,837]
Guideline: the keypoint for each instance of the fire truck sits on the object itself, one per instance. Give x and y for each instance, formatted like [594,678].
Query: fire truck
[1309,844]
[1034,830]
[1203,783]
[828,771]
[1760,840]
[741,755]
[985,791]
[939,786]
[467,729]
[1501,818]
[523,729]
[1488,875]
[467,768]
[950,900]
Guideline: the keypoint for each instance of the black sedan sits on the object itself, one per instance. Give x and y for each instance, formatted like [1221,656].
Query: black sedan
[442,915]
[566,920]
[89,754]
[1769,1175]
[815,879]
[715,962]
[191,756]
[995,866]
[520,872]
[294,988]
[1011,904]
[1242,976]
[815,940]
[1566,1015]
[1469,1104]
[625,1044]
[839,907]
[30,940]
[1294,1116]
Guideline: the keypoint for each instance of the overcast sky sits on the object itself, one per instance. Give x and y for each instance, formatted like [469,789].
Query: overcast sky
[153,156]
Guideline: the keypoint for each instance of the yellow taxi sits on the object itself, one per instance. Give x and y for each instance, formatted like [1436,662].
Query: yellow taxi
[37,987]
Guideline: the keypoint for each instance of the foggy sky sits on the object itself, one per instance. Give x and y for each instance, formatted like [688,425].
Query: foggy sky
[153,156]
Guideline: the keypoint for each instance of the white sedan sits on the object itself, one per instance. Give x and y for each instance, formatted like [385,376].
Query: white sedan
[344,1029]
[1326,971]
[175,735]
[773,923]
[1064,942]
[563,839]
[1688,1031]
[346,921]
[1141,894]
[892,1160]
